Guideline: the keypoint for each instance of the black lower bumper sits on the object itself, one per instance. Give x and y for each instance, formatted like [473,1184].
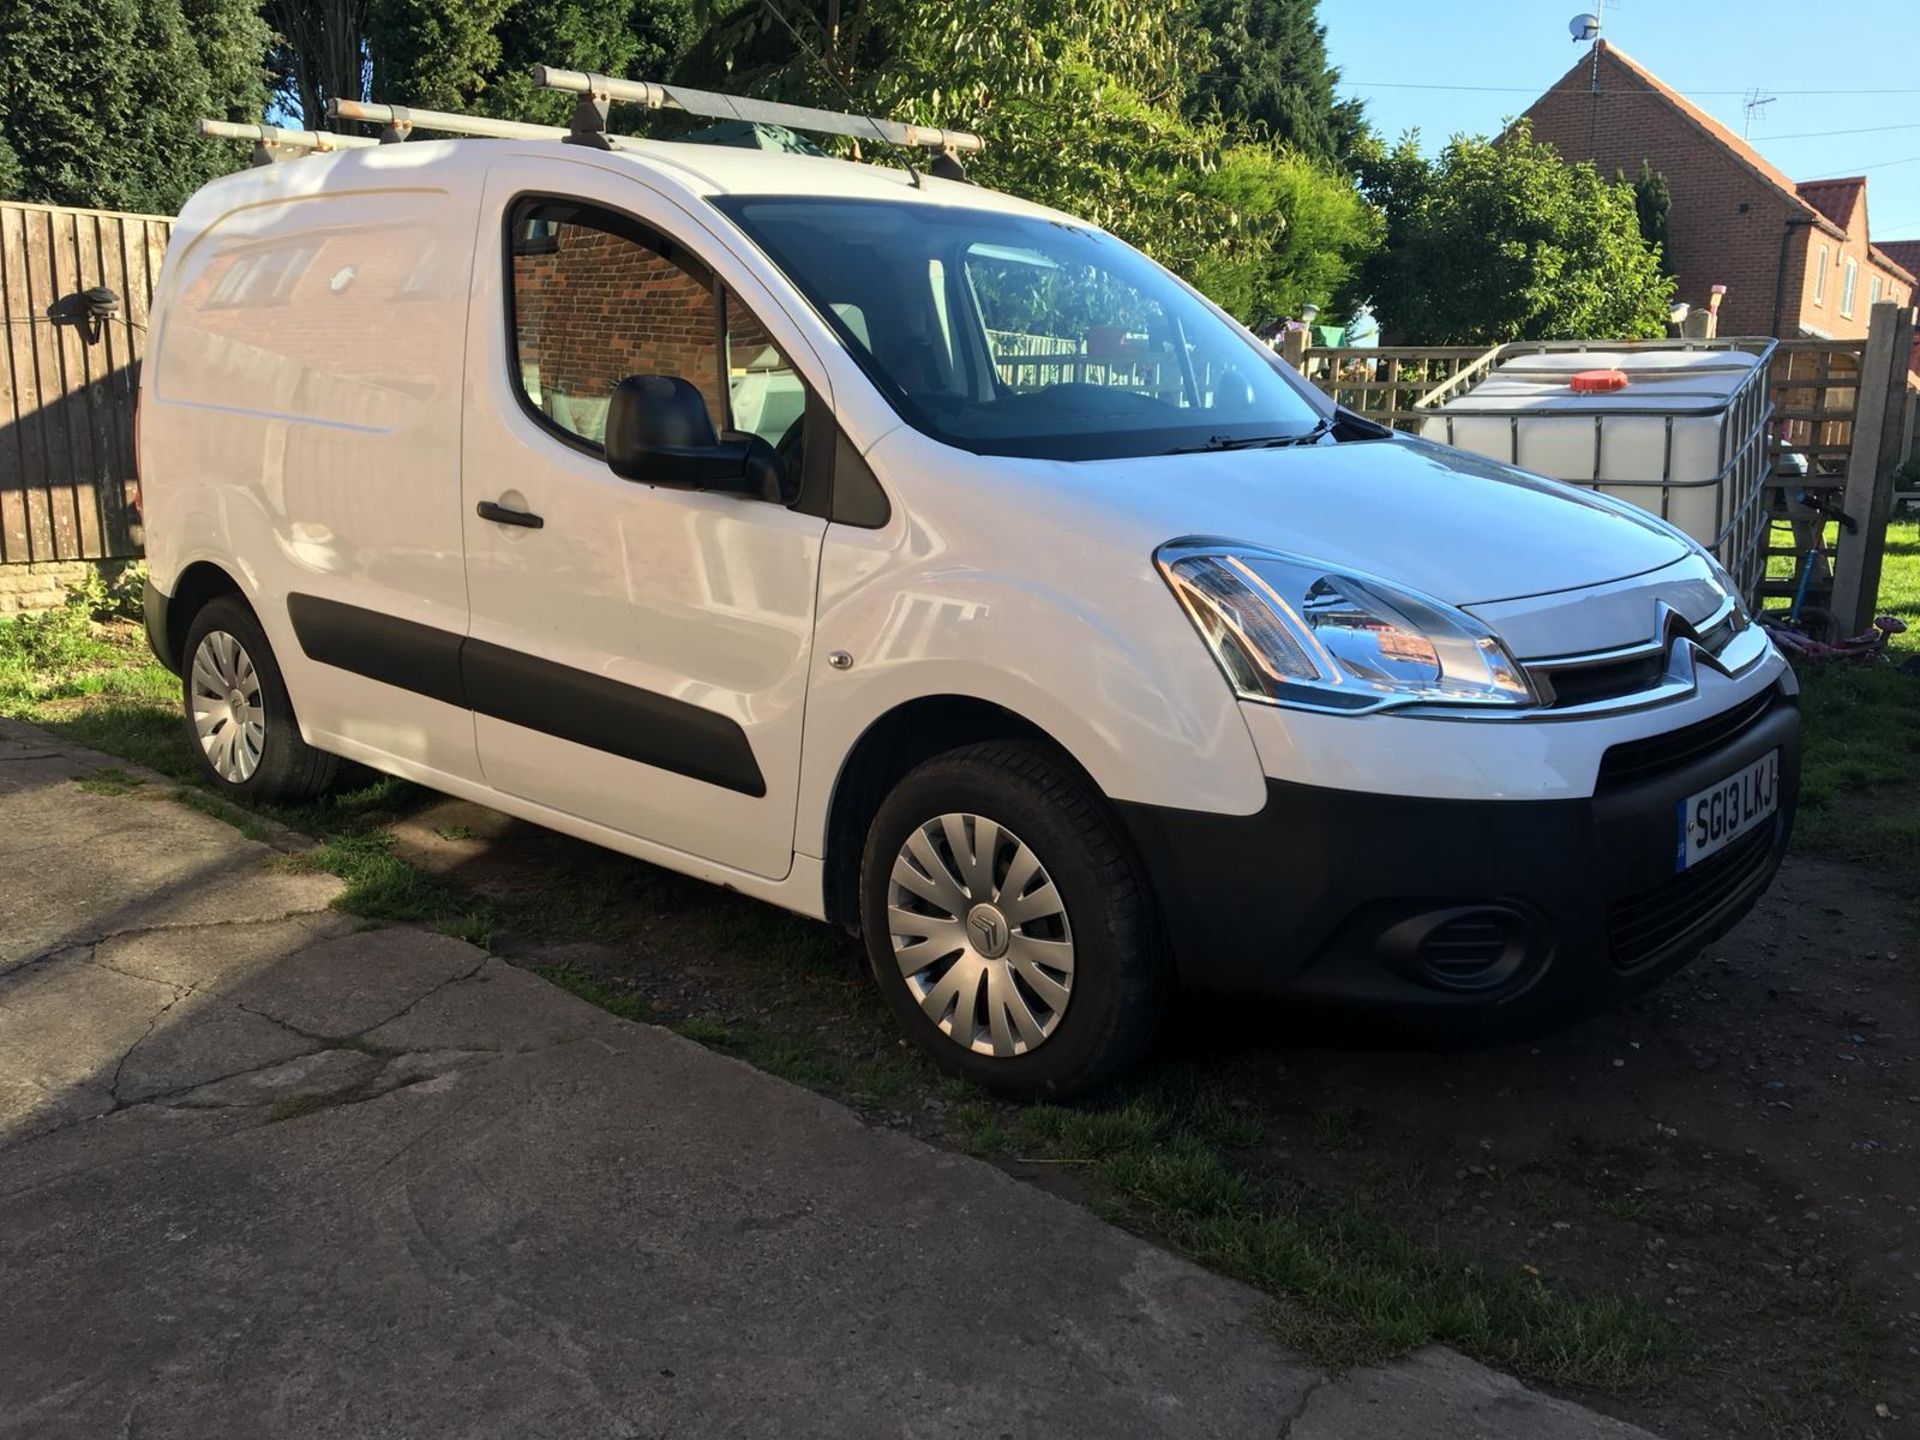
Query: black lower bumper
[1465,919]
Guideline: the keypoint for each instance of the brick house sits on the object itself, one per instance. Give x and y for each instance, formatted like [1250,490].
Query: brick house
[1795,256]
[1906,254]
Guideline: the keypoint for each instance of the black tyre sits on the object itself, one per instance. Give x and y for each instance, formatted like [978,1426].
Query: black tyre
[1008,925]
[240,723]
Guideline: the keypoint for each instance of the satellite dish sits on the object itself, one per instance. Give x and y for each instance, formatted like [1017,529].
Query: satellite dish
[1583,28]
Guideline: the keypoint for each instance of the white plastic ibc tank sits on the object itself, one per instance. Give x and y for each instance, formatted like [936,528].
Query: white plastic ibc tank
[1680,439]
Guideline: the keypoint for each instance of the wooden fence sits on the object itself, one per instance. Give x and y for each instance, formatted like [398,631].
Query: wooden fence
[1384,382]
[1842,405]
[68,485]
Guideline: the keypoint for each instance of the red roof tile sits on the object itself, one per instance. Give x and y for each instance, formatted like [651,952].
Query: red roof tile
[1834,199]
[1903,253]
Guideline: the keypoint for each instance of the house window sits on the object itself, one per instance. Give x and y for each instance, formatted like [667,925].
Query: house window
[1820,278]
[1847,279]
[1873,294]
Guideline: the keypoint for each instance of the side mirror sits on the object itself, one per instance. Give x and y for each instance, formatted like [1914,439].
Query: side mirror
[659,433]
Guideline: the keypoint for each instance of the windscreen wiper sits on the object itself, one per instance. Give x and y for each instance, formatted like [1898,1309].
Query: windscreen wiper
[1256,442]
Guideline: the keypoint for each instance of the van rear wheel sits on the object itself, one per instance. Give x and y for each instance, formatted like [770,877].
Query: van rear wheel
[1008,925]
[239,719]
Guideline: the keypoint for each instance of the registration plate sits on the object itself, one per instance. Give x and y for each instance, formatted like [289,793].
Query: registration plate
[1723,813]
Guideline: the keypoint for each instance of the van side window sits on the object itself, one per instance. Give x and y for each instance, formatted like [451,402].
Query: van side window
[765,394]
[596,297]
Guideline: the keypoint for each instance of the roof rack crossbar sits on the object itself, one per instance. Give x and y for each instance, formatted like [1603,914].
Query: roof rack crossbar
[271,143]
[399,119]
[602,89]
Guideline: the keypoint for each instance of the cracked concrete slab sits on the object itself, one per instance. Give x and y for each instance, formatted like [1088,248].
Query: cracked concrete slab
[496,1008]
[323,1073]
[210,958]
[224,1040]
[170,867]
[269,1173]
[64,1027]
[351,984]
[626,1261]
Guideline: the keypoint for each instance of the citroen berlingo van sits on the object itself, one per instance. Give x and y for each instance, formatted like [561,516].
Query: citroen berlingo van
[933,564]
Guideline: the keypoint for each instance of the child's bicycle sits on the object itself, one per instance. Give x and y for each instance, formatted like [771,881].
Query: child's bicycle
[1867,645]
[1813,621]
[1812,632]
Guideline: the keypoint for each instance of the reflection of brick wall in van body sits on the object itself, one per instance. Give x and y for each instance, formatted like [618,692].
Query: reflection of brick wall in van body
[342,310]
[747,338]
[352,314]
[600,308]
[336,306]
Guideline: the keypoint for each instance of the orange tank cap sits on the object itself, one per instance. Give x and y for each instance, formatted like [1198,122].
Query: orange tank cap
[1597,382]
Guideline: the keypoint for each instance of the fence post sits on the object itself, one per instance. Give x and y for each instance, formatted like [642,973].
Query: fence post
[1293,348]
[1880,403]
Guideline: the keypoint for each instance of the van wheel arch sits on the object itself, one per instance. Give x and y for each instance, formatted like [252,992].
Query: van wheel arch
[201,582]
[904,737]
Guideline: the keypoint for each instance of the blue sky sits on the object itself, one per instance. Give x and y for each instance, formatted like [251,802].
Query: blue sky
[1699,47]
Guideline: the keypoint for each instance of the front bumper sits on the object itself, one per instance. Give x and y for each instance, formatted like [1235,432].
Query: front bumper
[1470,919]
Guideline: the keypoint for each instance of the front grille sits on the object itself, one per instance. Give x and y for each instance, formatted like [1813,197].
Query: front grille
[1584,684]
[1642,925]
[1635,761]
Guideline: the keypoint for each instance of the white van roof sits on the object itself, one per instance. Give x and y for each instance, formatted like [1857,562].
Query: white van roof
[696,171]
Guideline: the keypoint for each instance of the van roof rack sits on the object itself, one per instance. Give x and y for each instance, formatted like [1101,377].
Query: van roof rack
[598,92]
[589,125]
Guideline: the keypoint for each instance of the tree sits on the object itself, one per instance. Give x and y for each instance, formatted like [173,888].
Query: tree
[1082,107]
[1499,240]
[319,52]
[633,39]
[1267,66]
[478,57]
[1651,202]
[98,97]
[432,54]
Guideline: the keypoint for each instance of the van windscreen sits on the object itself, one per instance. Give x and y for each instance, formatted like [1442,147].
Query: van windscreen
[1020,335]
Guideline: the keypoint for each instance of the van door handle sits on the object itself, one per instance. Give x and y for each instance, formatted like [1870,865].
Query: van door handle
[501,515]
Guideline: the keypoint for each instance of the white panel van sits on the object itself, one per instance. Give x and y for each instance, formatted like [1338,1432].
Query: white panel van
[933,564]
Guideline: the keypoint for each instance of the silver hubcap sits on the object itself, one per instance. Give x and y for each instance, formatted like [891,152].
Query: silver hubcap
[980,935]
[227,714]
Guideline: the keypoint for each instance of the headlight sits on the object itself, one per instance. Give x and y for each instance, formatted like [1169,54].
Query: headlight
[1289,632]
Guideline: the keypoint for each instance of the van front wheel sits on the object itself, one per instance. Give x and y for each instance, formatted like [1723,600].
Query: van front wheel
[1007,923]
[240,722]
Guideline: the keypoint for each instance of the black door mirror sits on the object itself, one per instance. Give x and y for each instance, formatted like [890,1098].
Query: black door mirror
[659,432]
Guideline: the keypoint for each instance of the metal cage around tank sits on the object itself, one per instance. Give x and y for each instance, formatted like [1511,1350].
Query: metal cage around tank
[1737,531]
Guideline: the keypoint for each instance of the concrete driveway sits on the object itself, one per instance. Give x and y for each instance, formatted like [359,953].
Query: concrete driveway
[266,1172]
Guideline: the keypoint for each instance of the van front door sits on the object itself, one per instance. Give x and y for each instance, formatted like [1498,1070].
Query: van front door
[637,656]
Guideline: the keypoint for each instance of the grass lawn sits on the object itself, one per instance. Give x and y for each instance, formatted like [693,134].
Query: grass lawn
[1860,788]
[1179,1155]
